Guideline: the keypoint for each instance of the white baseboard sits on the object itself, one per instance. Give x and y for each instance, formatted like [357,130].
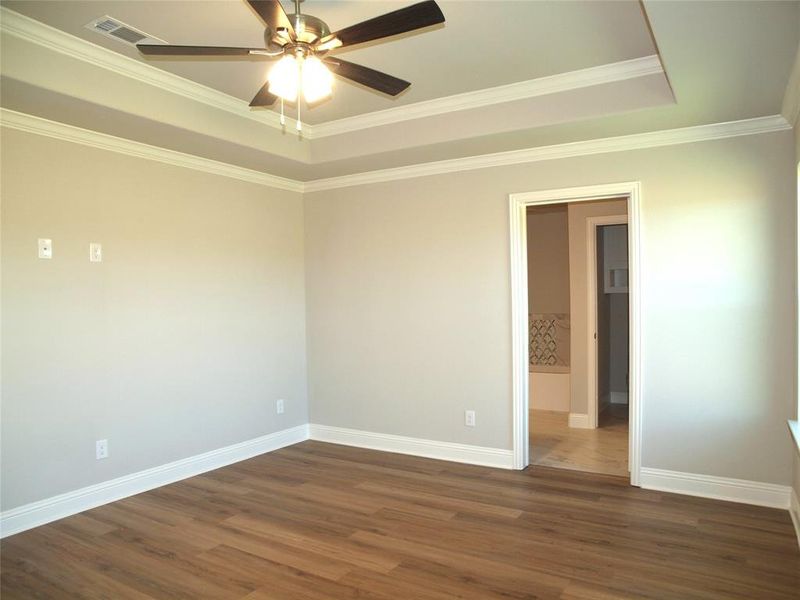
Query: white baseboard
[57,507]
[462,453]
[618,397]
[794,511]
[579,420]
[719,488]
[51,509]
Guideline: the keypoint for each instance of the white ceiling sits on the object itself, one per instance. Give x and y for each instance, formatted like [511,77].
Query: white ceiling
[725,61]
[482,44]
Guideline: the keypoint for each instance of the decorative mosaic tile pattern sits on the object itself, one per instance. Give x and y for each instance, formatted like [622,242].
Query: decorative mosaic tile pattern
[548,341]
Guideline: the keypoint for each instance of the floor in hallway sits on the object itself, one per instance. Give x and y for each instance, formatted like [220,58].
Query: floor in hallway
[601,450]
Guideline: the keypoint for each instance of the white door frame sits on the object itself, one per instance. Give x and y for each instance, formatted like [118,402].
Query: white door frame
[592,223]
[519,308]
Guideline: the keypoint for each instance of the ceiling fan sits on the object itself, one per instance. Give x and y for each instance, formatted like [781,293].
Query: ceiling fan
[303,41]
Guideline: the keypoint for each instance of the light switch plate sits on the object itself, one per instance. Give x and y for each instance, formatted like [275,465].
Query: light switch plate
[45,248]
[101,449]
[95,252]
[469,418]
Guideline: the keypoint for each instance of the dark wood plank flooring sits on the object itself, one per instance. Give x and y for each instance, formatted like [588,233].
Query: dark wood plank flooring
[317,521]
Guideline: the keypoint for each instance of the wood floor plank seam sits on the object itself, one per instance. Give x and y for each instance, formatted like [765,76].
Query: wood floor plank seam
[318,521]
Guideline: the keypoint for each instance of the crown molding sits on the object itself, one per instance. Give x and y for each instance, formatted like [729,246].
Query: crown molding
[638,141]
[31,30]
[36,32]
[61,131]
[522,90]
[791,98]
[654,139]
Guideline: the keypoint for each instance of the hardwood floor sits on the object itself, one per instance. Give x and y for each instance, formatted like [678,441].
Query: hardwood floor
[318,521]
[601,450]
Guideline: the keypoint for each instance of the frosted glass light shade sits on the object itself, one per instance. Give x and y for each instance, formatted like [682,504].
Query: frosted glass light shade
[317,80]
[284,78]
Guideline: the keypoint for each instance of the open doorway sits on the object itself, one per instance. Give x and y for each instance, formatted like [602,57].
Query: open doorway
[610,356]
[578,335]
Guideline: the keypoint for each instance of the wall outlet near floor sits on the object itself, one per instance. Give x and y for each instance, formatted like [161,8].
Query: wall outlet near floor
[45,248]
[469,418]
[279,408]
[101,449]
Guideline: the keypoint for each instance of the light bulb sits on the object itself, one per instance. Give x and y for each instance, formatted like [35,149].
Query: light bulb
[317,80]
[284,78]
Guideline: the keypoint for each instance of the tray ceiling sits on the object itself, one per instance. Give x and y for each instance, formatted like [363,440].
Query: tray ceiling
[722,61]
[482,44]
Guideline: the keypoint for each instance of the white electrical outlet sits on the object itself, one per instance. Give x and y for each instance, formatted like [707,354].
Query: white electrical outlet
[45,248]
[95,252]
[101,449]
[279,408]
[469,418]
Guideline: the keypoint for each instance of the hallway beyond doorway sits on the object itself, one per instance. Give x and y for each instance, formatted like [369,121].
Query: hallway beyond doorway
[602,450]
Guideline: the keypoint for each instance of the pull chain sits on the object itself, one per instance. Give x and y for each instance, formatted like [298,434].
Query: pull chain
[283,118]
[299,123]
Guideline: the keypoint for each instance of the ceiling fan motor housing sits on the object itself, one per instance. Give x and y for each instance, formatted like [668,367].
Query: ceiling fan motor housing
[308,29]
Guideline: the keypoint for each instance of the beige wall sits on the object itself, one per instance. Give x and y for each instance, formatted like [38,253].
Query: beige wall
[579,297]
[548,259]
[181,340]
[548,292]
[409,302]
[178,343]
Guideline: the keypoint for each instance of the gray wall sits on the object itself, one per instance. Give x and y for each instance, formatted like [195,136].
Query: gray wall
[178,343]
[615,251]
[409,302]
[603,326]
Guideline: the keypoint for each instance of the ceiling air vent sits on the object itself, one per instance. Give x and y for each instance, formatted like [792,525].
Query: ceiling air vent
[118,30]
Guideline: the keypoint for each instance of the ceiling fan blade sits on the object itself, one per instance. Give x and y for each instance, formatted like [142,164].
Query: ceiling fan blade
[263,97]
[366,76]
[273,15]
[167,50]
[406,19]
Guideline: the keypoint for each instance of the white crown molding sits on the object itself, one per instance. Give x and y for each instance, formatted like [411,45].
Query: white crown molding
[561,82]
[719,488]
[791,98]
[637,141]
[461,453]
[57,507]
[70,133]
[31,30]
[653,139]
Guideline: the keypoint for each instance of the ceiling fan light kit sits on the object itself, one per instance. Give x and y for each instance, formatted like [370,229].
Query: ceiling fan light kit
[293,73]
[303,41]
